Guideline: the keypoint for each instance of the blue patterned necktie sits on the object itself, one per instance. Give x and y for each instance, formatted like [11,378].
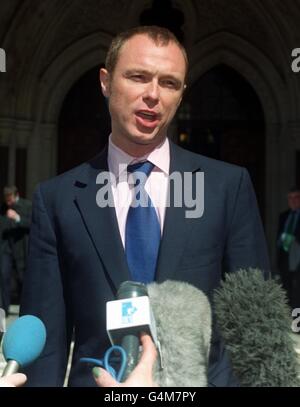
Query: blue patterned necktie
[142,232]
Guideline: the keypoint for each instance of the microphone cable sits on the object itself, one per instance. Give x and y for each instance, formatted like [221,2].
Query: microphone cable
[110,359]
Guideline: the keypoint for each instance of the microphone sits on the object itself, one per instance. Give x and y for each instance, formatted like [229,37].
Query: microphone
[23,343]
[183,320]
[255,323]
[126,318]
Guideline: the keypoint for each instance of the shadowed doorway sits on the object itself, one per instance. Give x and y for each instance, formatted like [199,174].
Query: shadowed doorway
[221,117]
[84,122]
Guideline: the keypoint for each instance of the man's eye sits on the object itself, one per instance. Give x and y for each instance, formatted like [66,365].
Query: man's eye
[138,78]
[170,84]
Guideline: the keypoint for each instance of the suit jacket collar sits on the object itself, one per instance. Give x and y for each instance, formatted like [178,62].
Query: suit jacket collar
[176,227]
[102,225]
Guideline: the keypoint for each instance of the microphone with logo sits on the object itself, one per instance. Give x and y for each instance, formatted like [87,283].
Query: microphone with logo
[23,343]
[126,318]
[178,317]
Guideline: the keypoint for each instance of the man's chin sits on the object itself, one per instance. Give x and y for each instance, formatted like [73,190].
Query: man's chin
[147,137]
[146,140]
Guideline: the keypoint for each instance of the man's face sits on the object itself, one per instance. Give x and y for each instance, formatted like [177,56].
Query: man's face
[10,199]
[144,92]
[294,200]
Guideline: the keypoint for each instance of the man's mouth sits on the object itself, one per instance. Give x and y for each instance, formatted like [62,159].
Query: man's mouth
[147,115]
[147,119]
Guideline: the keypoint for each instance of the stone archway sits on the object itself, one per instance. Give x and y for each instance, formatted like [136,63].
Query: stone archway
[55,84]
[220,48]
[259,71]
[84,123]
[221,117]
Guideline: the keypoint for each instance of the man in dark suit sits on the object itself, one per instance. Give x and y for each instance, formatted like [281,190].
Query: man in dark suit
[288,248]
[14,228]
[82,248]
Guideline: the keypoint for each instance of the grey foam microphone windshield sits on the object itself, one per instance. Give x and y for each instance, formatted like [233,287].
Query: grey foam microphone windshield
[183,320]
[255,323]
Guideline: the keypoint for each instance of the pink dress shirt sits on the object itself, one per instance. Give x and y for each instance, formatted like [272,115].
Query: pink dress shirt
[156,185]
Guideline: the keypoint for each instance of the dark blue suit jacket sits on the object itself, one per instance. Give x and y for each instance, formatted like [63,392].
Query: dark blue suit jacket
[77,261]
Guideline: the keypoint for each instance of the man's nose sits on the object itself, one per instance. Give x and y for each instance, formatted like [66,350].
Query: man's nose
[152,91]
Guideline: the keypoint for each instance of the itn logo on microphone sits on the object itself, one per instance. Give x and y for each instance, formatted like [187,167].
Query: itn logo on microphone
[128,310]
[2,321]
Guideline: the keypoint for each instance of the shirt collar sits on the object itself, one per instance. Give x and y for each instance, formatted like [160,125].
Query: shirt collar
[118,160]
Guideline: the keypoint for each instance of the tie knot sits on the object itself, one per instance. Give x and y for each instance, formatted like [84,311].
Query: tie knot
[146,167]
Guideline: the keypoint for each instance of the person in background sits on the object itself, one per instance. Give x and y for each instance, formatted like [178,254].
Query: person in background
[288,247]
[14,226]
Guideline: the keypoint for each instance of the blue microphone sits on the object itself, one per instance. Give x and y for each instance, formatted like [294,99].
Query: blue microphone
[23,343]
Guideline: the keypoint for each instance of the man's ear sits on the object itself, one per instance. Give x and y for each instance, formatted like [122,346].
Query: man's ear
[105,82]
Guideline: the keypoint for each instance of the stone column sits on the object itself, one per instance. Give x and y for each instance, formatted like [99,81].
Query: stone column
[7,139]
[49,150]
[273,182]
[282,142]
[41,164]
[14,133]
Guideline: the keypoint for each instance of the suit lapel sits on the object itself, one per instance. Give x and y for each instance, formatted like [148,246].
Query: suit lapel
[101,223]
[176,227]
[102,226]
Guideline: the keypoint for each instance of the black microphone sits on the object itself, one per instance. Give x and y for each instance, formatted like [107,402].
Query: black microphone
[127,317]
[131,341]
[255,323]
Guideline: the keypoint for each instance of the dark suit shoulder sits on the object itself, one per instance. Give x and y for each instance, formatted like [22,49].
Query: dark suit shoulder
[62,188]
[63,178]
[78,173]
[207,164]
[220,166]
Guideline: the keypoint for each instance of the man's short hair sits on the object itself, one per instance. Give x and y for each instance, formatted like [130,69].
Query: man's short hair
[294,188]
[161,36]
[10,190]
